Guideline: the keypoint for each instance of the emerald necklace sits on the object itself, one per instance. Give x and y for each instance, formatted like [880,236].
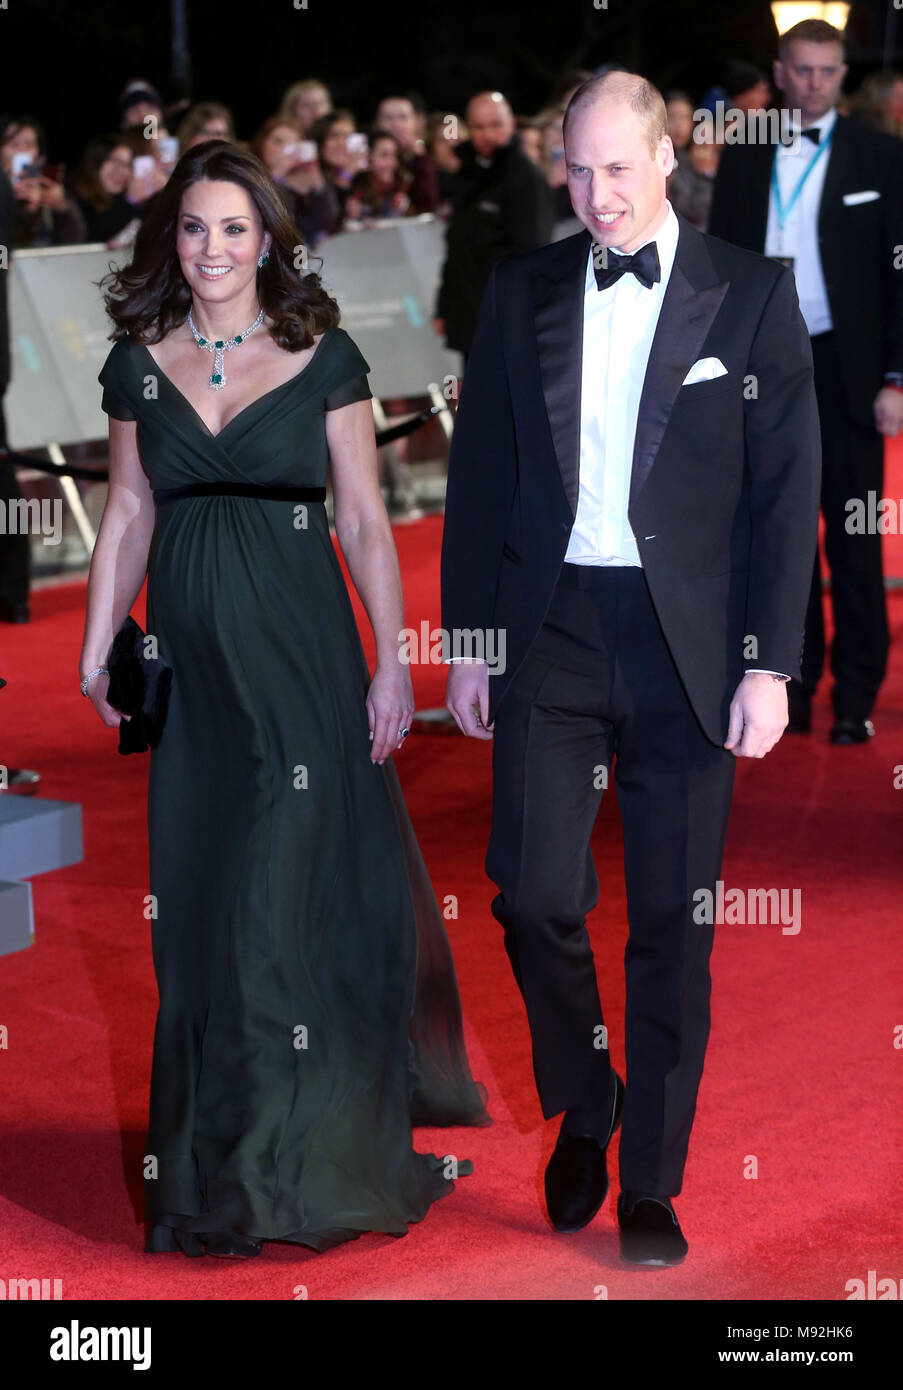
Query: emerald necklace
[219,347]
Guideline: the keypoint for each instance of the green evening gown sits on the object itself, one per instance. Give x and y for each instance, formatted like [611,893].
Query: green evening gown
[308,1006]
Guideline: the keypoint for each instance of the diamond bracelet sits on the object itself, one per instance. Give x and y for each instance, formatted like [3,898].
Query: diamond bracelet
[98,671]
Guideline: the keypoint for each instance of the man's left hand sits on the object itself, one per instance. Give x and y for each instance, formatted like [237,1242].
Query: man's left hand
[758,715]
[889,411]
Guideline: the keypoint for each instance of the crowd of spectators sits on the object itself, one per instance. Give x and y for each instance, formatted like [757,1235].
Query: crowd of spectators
[340,175]
[496,177]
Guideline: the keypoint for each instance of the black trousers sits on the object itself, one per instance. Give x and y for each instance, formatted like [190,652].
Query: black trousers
[600,681]
[15,550]
[852,466]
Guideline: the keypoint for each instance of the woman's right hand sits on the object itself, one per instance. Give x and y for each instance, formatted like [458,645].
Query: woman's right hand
[97,694]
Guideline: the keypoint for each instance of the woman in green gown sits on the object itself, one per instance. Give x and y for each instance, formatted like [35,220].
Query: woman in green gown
[308,1007]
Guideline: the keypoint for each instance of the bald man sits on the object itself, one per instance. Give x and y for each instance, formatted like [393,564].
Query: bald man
[501,203]
[633,502]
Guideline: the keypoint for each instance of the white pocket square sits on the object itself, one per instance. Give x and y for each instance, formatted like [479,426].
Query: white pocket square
[868,195]
[706,369]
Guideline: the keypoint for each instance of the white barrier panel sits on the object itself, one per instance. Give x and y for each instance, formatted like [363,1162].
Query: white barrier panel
[58,339]
[384,278]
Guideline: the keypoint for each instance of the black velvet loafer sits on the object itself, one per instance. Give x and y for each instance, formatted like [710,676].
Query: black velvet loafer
[577,1174]
[650,1231]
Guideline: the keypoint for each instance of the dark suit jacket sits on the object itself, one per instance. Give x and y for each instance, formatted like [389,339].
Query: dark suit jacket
[724,489]
[496,211]
[856,244]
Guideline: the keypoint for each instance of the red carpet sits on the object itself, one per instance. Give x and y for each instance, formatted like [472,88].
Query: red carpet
[802,1075]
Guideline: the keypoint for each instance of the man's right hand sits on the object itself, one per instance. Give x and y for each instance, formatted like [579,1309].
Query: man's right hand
[467,698]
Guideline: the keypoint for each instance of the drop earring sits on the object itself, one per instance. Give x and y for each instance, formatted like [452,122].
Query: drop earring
[262,260]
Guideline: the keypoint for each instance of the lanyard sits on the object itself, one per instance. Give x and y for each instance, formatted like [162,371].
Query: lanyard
[783,213]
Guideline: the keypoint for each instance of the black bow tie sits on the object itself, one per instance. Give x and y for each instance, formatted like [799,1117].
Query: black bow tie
[644,264]
[812,133]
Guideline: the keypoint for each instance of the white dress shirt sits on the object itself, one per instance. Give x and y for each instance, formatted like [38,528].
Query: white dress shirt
[799,238]
[618,327]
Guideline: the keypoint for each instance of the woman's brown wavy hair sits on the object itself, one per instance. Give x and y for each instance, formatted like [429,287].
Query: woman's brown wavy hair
[150,296]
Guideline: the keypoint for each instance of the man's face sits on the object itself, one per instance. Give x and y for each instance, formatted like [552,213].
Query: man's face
[490,124]
[398,118]
[617,185]
[811,77]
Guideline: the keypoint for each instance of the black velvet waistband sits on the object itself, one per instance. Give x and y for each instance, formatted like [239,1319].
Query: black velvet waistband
[278,492]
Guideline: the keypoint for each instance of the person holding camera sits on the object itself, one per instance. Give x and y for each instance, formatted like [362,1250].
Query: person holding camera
[294,164]
[45,214]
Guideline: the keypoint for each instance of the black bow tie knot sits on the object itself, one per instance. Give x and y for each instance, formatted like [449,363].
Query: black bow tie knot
[644,264]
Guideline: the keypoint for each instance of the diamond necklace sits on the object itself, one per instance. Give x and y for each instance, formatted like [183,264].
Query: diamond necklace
[219,347]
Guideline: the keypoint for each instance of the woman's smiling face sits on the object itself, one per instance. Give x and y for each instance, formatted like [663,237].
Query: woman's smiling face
[219,238]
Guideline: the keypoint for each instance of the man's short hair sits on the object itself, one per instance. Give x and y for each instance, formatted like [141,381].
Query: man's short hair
[637,92]
[810,31]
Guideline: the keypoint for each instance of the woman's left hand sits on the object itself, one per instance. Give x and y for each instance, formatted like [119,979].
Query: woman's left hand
[390,707]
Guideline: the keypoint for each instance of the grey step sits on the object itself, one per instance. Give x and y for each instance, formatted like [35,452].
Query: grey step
[16,917]
[37,835]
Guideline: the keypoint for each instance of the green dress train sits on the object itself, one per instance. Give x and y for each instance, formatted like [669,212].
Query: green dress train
[308,1005]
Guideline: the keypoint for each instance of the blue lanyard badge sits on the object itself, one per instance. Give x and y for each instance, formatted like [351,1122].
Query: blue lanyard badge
[783,213]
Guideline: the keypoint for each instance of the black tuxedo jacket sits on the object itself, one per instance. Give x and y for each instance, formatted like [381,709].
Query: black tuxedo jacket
[725,476]
[856,243]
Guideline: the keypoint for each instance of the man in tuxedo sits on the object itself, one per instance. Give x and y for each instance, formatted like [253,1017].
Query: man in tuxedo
[831,205]
[633,499]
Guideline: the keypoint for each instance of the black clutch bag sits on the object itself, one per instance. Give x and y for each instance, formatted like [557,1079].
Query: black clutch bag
[139,687]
